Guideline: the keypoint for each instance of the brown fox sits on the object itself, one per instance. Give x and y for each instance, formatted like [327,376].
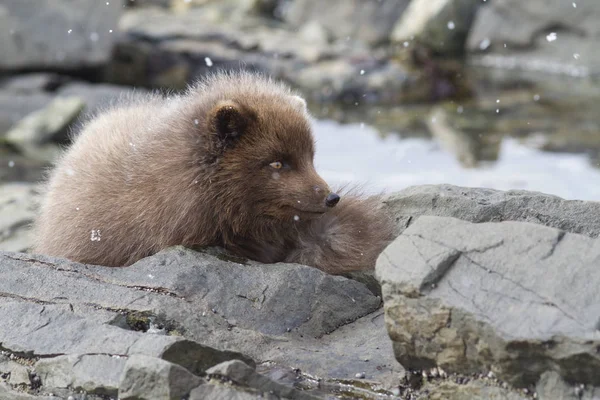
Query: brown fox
[227,163]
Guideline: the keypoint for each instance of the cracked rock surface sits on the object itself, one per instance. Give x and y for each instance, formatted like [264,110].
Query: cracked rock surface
[181,312]
[520,299]
[490,205]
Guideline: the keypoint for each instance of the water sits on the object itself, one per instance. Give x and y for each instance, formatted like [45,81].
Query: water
[355,153]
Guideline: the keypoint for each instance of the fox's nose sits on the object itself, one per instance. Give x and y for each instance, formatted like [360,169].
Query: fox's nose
[332,199]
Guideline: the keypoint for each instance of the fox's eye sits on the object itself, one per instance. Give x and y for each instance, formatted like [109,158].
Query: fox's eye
[276,165]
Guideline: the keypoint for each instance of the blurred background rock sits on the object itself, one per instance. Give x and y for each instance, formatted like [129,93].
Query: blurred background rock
[492,93]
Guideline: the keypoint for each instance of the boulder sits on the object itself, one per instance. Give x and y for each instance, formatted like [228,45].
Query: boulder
[362,20]
[489,205]
[149,378]
[35,135]
[55,35]
[440,25]
[242,374]
[538,35]
[92,373]
[515,298]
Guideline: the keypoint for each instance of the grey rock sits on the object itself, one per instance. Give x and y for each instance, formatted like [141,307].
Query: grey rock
[7,393]
[514,34]
[255,296]
[18,203]
[34,135]
[214,391]
[473,390]
[162,49]
[441,25]
[15,106]
[98,96]
[191,355]
[515,296]
[91,373]
[155,379]
[489,205]
[552,387]
[201,297]
[33,83]
[36,35]
[365,20]
[242,374]
[15,374]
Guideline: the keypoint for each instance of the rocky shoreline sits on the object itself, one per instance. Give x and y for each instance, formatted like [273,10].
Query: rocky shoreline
[485,294]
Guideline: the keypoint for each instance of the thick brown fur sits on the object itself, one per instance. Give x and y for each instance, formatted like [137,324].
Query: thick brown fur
[198,169]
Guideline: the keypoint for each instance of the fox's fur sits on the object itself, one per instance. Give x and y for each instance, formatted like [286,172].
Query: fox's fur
[227,163]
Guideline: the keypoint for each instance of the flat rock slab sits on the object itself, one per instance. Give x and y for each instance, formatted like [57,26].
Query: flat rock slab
[489,205]
[292,315]
[517,298]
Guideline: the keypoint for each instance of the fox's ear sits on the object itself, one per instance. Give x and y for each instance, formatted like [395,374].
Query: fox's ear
[299,102]
[229,121]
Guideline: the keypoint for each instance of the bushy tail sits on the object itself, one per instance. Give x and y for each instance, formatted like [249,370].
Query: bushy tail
[347,238]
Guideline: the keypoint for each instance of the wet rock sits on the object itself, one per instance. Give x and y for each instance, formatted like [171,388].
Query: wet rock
[242,374]
[155,379]
[470,148]
[161,49]
[92,373]
[440,25]
[18,203]
[56,35]
[214,391]
[515,297]
[557,37]
[489,205]
[35,134]
[363,20]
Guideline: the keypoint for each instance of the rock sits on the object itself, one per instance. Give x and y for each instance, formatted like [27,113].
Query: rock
[473,390]
[14,373]
[216,392]
[162,49]
[155,379]
[18,203]
[489,205]
[15,106]
[440,25]
[515,297]
[207,299]
[98,96]
[34,135]
[368,21]
[56,35]
[526,36]
[33,83]
[469,147]
[192,356]
[6,393]
[552,387]
[92,373]
[242,374]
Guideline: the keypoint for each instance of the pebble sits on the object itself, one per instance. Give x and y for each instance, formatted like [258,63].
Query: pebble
[360,375]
